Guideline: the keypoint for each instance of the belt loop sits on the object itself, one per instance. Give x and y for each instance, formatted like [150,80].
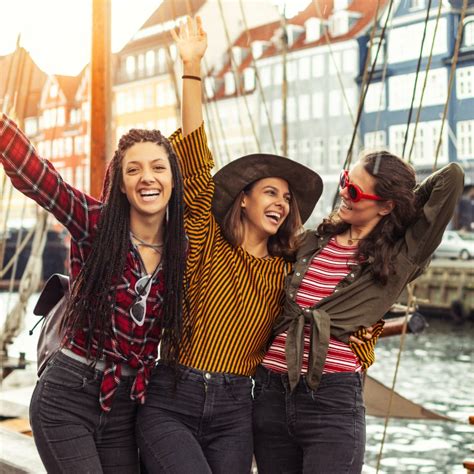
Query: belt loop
[184,372]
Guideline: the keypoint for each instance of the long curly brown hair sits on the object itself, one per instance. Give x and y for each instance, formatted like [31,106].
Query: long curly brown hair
[283,244]
[395,180]
[93,294]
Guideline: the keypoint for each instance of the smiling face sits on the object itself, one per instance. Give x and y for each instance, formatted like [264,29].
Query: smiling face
[266,206]
[147,179]
[366,212]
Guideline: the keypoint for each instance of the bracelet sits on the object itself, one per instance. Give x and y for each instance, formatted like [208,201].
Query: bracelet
[187,76]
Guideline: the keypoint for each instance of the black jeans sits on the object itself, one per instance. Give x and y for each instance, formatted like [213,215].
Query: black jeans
[71,432]
[196,422]
[307,431]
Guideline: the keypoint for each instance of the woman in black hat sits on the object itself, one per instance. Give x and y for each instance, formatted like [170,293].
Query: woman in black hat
[243,230]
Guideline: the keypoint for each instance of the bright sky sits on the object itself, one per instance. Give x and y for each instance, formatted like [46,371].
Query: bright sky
[57,33]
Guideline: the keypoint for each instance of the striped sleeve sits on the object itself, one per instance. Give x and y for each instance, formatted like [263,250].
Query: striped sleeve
[366,351]
[196,163]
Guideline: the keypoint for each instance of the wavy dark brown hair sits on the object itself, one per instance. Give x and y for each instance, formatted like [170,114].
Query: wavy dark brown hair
[284,243]
[395,180]
[93,294]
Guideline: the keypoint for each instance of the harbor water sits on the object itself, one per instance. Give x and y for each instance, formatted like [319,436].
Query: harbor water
[436,370]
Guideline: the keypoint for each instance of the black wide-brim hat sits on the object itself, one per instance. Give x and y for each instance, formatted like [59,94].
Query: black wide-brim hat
[305,184]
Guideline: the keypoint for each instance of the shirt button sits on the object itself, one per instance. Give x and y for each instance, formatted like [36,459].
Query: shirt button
[132,343]
[298,274]
[207,376]
[307,310]
[292,294]
[352,275]
[304,260]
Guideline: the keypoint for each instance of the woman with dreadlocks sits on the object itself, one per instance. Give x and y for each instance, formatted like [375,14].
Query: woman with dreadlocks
[127,262]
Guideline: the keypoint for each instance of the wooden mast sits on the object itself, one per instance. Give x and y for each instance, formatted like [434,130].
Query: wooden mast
[100,94]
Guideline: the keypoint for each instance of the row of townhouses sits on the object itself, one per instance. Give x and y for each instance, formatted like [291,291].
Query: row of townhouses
[280,86]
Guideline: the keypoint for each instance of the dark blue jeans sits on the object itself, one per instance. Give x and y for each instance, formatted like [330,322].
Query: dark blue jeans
[196,422]
[307,431]
[71,432]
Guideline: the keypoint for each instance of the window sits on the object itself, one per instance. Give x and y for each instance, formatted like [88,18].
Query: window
[375,139]
[148,96]
[417,4]
[334,63]
[277,111]
[304,68]
[265,76]
[291,71]
[150,62]
[405,41]
[229,83]
[377,46]
[161,59]
[318,152]
[318,65]
[291,109]
[465,139]
[61,116]
[318,105]
[68,146]
[139,100]
[335,148]
[375,97]
[79,145]
[141,63]
[304,107]
[53,91]
[313,29]
[209,86]
[31,126]
[349,61]
[426,141]
[278,74]
[468,33]
[401,89]
[249,78]
[465,82]
[335,102]
[130,65]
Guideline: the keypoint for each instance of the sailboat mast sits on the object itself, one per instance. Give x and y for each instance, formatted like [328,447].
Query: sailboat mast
[284,83]
[100,93]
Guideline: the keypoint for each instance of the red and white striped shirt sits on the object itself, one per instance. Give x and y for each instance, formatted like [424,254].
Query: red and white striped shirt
[326,270]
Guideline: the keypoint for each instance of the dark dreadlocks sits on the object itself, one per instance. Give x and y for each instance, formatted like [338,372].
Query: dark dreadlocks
[93,294]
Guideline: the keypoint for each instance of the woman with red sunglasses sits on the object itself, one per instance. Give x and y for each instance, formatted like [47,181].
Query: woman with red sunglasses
[308,412]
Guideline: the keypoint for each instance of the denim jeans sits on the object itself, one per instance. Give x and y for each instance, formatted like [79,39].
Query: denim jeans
[196,422]
[71,432]
[307,431]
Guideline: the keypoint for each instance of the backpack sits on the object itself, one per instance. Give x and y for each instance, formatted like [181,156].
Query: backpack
[51,306]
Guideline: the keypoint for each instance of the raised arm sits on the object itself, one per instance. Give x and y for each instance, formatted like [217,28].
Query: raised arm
[439,195]
[192,44]
[37,178]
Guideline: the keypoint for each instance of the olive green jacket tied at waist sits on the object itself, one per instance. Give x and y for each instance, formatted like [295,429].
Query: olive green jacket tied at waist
[359,301]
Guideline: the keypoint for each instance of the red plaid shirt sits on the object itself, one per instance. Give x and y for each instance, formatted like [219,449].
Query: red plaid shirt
[127,343]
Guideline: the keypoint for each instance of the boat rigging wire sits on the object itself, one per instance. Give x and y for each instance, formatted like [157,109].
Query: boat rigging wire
[451,78]
[418,66]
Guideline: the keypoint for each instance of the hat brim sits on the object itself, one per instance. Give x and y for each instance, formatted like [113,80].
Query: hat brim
[305,184]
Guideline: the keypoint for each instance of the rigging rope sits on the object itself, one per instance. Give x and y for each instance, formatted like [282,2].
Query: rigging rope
[258,80]
[418,66]
[425,82]
[235,72]
[451,78]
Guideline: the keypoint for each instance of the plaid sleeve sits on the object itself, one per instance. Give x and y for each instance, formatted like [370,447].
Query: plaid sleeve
[366,352]
[37,178]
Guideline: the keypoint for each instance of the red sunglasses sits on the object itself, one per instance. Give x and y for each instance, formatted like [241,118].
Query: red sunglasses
[355,193]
